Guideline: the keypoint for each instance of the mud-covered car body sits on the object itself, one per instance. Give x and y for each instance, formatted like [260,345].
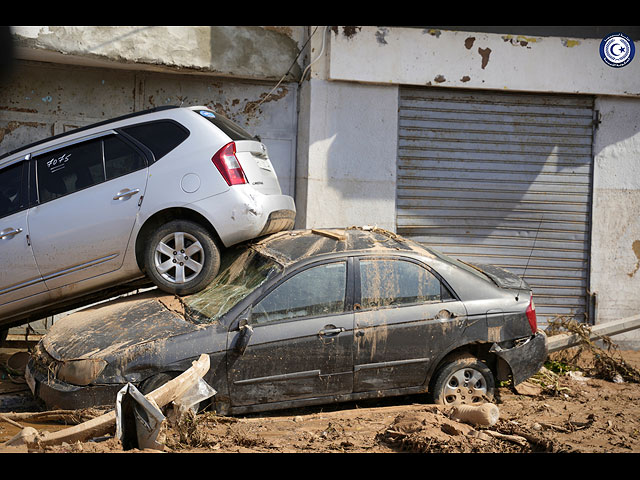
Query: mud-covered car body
[300,318]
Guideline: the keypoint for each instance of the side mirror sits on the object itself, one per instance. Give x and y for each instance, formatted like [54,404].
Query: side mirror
[244,335]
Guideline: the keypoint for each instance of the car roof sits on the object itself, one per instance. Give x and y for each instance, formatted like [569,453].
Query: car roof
[292,246]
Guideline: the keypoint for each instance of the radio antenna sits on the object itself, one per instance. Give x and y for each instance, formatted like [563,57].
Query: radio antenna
[530,253]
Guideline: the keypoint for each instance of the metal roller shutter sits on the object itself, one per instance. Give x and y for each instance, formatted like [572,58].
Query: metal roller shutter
[504,179]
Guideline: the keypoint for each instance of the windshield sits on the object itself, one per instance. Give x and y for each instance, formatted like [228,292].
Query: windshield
[242,271]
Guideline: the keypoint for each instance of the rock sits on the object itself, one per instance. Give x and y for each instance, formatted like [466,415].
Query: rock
[527,388]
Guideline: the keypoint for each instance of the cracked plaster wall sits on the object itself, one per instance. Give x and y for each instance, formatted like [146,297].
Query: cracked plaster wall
[242,52]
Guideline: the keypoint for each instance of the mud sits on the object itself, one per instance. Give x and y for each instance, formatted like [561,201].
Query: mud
[550,413]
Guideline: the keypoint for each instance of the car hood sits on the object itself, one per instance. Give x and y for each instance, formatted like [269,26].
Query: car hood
[108,328]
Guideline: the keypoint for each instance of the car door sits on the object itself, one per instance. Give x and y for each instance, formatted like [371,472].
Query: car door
[88,196]
[302,340]
[19,274]
[404,312]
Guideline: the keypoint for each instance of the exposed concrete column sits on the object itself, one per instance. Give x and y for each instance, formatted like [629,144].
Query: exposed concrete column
[615,238]
[347,148]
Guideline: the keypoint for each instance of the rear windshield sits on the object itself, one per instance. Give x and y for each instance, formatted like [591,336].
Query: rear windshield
[243,270]
[459,263]
[231,129]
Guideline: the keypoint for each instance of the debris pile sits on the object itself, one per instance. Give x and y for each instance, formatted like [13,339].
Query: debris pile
[137,419]
[606,361]
[462,429]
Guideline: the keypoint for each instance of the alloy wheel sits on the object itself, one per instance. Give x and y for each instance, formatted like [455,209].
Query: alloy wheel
[179,257]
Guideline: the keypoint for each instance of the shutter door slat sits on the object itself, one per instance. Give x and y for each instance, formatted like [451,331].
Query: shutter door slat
[481,175]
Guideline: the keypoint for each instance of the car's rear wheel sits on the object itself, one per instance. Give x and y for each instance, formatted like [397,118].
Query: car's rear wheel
[463,381]
[181,257]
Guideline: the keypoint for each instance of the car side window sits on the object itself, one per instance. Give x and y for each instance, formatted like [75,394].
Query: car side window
[316,291]
[391,282]
[11,189]
[160,137]
[120,158]
[69,169]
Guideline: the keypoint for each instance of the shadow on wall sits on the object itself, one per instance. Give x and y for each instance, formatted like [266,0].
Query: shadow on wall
[6,53]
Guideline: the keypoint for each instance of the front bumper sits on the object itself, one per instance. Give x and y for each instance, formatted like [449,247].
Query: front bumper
[60,395]
[525,358]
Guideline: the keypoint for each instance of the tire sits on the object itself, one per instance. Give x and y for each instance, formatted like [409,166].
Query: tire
[463,381]
[181,257]
[155,382]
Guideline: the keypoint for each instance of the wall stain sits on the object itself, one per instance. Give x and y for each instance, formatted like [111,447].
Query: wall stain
[381,35]
[439,79]
[570,43]
[635,246]
[484,53]
[468,42]
[348,31]
[13,125]
[519,40]
[465,79]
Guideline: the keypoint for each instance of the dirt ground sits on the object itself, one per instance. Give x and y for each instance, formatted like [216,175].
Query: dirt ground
[553,412]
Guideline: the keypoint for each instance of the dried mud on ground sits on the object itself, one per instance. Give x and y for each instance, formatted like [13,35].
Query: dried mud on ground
[550,413]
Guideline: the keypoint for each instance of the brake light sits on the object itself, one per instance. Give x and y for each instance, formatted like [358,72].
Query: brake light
[531,316]
[228,165]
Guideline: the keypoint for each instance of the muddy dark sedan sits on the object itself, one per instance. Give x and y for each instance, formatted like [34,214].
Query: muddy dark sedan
[306,317]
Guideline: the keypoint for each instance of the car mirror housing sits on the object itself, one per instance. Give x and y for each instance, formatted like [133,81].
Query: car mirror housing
[243,337]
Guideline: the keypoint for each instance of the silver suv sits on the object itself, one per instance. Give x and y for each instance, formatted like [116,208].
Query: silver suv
[152,195]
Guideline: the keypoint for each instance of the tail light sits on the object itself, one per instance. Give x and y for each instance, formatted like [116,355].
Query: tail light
[227,163]
[531,316]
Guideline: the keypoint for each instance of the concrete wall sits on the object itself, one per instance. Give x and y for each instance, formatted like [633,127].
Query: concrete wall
[458,59]
[615,244]
[349,178]
[253,52]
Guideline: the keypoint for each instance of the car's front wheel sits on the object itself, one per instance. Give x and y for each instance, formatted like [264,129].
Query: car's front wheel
[181,257]
[463,381]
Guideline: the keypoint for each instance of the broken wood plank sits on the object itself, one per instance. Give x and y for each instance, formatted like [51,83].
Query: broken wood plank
[329,234]
[72,417]
[103,424]
[5,418]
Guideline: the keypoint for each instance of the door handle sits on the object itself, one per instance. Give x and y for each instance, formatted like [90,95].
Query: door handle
[331,331]
[10,232]
[126,193]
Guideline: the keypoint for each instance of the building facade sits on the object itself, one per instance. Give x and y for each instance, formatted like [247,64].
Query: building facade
[513,146]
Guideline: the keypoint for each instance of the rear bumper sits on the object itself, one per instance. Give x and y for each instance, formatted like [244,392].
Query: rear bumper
[242,213]
[526,357]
